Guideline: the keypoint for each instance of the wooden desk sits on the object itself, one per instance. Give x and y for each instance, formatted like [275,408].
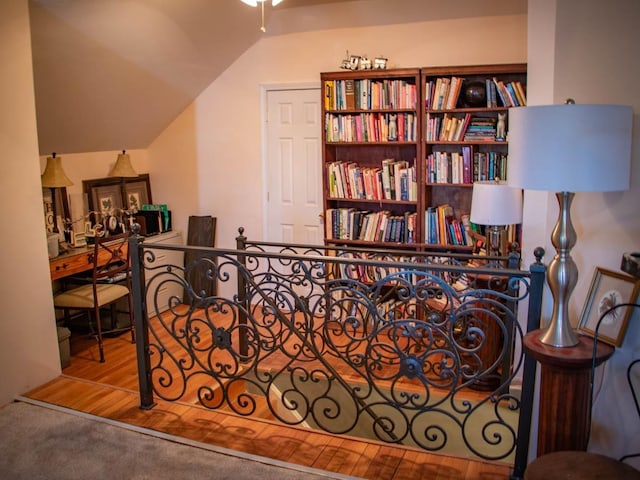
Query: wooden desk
[76,260]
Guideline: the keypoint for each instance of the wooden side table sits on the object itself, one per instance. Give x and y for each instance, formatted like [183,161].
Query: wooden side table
[563,419]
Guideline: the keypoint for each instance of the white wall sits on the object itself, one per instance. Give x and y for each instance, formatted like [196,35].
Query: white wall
[174,169]
[593,63]
[28,342]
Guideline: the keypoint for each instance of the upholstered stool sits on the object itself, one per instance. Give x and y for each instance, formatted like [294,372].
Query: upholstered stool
[573,465]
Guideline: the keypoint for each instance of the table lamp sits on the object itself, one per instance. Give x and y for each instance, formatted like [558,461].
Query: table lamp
[496,204]
[54,177]
[123,169]
[566,149]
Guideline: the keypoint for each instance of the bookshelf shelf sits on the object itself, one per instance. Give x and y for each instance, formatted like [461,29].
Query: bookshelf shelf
[373,201]
[371,110]
[355,144]
[444,185]
[465,142]
[468,110]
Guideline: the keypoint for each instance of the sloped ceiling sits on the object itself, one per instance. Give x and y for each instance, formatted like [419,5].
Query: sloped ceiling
[112,74]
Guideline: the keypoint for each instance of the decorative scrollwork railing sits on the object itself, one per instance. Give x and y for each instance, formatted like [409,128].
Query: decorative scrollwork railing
[416,351]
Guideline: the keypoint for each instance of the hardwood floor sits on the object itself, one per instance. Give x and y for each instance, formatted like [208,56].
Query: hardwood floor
[110,390]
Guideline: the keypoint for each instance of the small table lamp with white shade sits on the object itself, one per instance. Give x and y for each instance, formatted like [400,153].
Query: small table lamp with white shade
[496,204]
[565,149]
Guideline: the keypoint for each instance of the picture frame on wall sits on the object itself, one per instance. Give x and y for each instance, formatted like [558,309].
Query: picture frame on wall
[608,289]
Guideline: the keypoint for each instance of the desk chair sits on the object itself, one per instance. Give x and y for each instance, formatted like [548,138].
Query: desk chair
[566,465]
[110,261]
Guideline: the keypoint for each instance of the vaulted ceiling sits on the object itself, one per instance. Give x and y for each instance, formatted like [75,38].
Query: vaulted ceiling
[112,74]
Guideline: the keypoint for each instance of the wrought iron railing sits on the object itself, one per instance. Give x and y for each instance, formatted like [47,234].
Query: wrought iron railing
[410,348]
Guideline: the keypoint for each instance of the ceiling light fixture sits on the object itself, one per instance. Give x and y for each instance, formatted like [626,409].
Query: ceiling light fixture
[254,3]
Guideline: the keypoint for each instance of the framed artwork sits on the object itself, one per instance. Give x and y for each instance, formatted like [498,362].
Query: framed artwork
[59,194]
[107,198]
[138,193]
[608,289]
[105,194]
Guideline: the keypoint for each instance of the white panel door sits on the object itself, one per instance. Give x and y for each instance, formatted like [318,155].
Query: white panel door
[294,166]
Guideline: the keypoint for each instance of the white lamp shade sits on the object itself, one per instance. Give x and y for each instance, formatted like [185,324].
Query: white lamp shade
[570,147]
[495,203]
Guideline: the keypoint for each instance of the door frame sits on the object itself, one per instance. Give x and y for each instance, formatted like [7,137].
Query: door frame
[264,91]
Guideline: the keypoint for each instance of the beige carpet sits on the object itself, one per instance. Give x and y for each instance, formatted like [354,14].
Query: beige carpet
[41,441]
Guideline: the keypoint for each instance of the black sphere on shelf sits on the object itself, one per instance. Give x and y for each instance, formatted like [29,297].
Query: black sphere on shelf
[475,95]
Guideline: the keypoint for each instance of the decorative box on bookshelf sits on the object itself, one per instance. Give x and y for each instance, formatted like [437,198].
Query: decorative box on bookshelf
[371,156]
[465,115]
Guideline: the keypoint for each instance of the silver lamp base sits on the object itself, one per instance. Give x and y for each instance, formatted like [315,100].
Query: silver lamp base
[562,277]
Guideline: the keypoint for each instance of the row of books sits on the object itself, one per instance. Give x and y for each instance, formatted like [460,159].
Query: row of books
[371,127]
[450,167]
[393,180]
[447,128]
[381,226]
[510,94]
[443,93]
[481,129]
[370,274]
[462,168]
[454,128]
[443,228]
[365,94]
[489,166]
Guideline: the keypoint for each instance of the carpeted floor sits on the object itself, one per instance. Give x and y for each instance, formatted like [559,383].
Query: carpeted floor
[40,441]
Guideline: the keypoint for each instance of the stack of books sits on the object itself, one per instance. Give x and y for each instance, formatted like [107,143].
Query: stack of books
[481,129]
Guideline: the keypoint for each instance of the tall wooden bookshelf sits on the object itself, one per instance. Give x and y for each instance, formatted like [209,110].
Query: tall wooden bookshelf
[462,139]
[371,157]
[384,138]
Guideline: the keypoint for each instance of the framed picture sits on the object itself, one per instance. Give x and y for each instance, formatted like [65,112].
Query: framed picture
[59,194]
[107,198]
[105,194]
[607,290]
[138,193]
